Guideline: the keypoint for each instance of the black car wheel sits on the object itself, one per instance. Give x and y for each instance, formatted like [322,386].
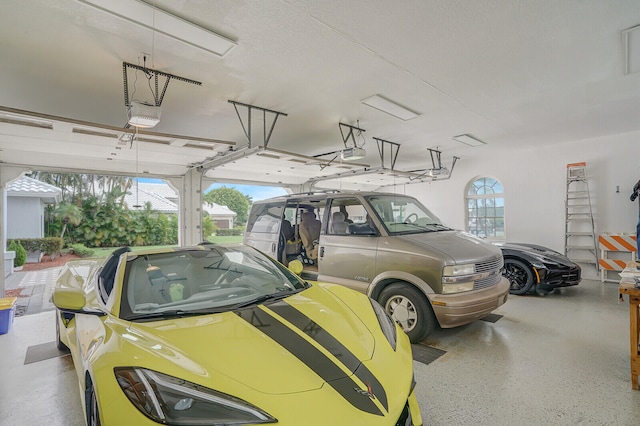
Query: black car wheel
[409,308]
[519,275]
[61,346]
[93,414]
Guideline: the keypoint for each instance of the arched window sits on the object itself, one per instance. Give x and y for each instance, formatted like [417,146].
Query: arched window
[485,208]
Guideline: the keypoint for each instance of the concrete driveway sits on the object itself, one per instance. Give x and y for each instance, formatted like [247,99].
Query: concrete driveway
[33,290]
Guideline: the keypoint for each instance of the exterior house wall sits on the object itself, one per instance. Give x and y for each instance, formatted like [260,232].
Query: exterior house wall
[223,222]
[25,217]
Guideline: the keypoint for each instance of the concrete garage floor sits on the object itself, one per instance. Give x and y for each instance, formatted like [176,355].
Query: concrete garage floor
[562,359]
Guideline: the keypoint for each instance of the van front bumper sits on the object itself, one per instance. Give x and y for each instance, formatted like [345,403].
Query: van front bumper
[452,310]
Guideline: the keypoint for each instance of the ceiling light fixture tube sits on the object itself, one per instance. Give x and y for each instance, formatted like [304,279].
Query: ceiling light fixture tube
[385,105]
[468,140]
[158,20]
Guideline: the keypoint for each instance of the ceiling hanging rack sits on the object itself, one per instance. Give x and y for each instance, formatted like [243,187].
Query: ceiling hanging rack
[158,95]
[351,150]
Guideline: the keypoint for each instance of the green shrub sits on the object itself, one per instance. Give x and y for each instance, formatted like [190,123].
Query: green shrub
[239,230]
[21,253]
[81,250]
[44,245]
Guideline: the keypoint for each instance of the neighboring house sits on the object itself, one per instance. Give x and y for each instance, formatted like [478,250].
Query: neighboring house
[137,199]
[164,199]
[161,189]
[222,216]
[26,200]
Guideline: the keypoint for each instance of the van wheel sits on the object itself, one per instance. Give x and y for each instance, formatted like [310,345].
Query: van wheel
[409,308]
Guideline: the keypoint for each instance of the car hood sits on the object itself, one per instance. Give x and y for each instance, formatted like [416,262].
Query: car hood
[273,349]
[461,247]
[536,250]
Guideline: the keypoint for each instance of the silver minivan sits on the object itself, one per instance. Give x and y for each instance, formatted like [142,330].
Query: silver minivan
[388,246]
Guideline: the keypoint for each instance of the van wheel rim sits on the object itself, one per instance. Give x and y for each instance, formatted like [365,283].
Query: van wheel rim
[403,312]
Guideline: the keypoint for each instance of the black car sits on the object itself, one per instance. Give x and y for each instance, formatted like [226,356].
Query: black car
[533,268]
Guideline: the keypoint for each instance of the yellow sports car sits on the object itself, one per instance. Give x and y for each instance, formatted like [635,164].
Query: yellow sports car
[224,335]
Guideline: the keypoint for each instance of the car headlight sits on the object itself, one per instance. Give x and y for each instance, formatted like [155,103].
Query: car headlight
[544,260]
[457,270]
[169,400]
[458,278]
[386,323]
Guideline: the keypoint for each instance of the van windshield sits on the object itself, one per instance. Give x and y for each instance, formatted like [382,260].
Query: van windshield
[405,215]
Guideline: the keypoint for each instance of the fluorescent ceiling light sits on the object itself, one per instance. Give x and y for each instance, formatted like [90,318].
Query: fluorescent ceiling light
[162,22]
[392,108]
[468,140]
[631,40]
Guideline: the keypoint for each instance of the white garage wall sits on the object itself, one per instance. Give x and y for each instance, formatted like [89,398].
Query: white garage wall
[534,180]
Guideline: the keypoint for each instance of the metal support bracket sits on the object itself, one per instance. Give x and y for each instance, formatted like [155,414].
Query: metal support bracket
[392,147]
[247,129]
[151,73]
[435,172]
[350,135]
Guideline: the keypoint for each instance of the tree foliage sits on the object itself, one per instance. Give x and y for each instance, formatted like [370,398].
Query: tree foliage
[93,213]
[67,214]
[232,198]
[76,187]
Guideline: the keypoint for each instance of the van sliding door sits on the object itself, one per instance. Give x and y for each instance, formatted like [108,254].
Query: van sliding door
[263,227]
[348,247]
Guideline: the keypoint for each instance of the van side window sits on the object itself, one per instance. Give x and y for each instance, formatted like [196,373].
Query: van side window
[348,216]
[265,218]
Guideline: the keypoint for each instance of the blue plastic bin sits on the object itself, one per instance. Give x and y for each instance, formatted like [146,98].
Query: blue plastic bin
[7,313]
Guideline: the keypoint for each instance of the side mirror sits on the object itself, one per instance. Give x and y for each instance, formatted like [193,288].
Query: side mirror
[296,267]
[69,299]
[72,300]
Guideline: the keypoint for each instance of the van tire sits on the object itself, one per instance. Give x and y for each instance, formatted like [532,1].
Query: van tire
[409,308]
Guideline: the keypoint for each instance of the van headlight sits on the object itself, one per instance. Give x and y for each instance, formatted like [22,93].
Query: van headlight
[458,278]
[169,400]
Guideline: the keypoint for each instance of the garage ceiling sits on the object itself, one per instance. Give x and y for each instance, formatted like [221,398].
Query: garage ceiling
[510,73]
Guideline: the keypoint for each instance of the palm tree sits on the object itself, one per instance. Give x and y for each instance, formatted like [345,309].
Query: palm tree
[68,213]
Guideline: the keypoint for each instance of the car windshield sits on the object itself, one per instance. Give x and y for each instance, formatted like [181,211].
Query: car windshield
[405,215]
[204,280]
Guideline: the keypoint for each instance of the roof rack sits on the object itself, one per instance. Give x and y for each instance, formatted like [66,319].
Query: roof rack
[325,191]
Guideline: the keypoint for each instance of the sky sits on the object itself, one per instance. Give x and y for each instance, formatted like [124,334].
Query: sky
[256,192]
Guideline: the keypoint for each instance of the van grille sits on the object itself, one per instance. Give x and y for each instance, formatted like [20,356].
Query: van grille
[492,265]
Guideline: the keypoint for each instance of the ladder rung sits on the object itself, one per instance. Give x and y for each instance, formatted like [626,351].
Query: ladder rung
[583,260]
[578,209]
[582,248]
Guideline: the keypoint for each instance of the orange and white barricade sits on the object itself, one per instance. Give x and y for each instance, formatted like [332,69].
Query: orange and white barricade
[616,250]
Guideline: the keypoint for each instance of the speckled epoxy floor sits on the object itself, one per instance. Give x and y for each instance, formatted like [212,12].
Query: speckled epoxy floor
[562,359]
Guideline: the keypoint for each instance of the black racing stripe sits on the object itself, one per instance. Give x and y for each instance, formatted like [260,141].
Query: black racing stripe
[333,345]
[310,356]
